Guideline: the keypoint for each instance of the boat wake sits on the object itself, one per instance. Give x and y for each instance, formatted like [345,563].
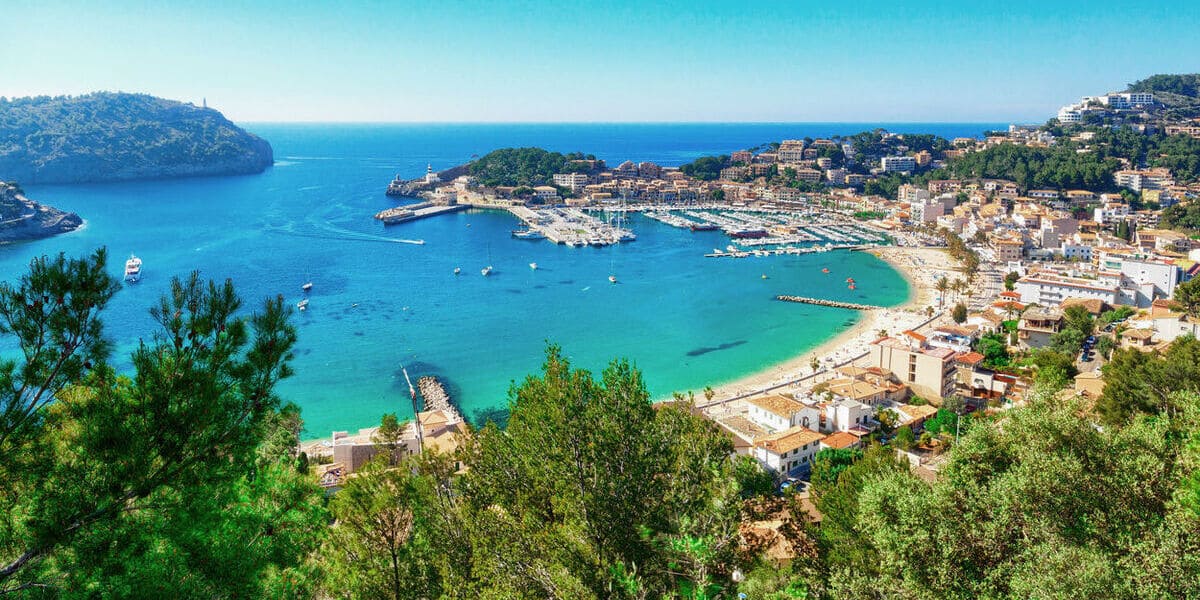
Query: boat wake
[349,236]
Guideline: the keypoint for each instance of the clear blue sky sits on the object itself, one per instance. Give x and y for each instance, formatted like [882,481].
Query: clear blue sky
[518,60]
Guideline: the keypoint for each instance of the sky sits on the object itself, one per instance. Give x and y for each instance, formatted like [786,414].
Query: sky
[608,61]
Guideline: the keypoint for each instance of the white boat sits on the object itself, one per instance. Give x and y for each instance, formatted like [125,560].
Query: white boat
[133,269]
[302,305]
[457,270]
[533,266]
[612,278]
[486,271]
[306,287]
[529,234]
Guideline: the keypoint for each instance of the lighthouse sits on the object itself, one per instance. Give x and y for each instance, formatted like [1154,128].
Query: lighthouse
[430,176]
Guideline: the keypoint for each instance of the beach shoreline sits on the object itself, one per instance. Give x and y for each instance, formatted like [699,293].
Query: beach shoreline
[920,267]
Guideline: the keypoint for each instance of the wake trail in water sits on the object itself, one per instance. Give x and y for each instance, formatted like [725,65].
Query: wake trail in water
[348,237]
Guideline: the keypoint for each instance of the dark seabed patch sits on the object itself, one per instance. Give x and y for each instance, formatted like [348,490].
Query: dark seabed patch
[568,282]
[706,349]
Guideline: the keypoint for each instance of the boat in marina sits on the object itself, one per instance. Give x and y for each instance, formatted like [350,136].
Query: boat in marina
[528,234]
[133,269]
[748,233]
[302,305]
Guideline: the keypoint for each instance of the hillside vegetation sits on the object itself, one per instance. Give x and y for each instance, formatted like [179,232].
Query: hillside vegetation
[116,136]
[524,166]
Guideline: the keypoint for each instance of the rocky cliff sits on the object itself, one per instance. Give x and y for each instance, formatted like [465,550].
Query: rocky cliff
[116,136]
[22,219]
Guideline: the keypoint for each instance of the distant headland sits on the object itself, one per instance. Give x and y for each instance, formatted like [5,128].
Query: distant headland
[108,136]
[22,219]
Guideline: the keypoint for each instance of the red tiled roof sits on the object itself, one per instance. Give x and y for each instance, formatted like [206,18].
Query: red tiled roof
[970,358]
[840,440]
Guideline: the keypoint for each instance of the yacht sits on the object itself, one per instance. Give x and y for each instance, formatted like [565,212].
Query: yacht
[533,266]
[486,271]
[133,269]
[612,278]
[302,305]
[306,287]
[457,270]
[528,234]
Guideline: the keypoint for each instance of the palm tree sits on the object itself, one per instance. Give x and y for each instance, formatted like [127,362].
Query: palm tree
[960,286]
[942,286]
[815,364]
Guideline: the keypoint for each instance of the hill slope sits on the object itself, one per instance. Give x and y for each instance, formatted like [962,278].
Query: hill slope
[116,136]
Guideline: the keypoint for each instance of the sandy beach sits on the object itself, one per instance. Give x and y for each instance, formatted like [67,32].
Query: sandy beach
[921,267]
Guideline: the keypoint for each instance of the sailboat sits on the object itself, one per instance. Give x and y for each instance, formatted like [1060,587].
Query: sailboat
[488,269]
[533,266]
[306,287]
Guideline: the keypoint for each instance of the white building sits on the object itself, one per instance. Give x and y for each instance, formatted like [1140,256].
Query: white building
[777,413]
[1075,251]
[1050,290]
[898,164]
[1111,212]
[789,450]
[571,181]
[845,414]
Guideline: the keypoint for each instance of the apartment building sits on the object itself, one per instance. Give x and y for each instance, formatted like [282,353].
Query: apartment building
[898,164]
[926,370]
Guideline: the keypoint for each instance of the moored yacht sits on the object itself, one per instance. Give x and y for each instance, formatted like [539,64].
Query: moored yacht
[133,269]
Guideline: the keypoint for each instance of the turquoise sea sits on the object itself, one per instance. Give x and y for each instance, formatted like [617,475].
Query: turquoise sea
[685,320]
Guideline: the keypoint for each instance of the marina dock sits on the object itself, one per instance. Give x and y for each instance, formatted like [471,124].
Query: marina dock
[572,226]
[831,303]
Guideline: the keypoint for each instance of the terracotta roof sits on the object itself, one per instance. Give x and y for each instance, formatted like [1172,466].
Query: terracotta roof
[1094,306]
[788,440]
[854,389]
[914,335]
[970,358]
[1010,294]
[778,405]
[840,440]
[915,412]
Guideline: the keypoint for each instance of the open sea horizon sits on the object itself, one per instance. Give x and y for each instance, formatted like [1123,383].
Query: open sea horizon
[686,321]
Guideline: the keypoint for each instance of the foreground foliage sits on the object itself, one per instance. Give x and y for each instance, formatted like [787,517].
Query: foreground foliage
[160,484]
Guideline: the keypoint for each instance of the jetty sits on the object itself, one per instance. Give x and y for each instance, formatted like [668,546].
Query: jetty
[412,212]
[831,303]
[434,396]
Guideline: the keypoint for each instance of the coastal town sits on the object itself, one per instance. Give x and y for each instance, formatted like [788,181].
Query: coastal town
[1001,272]
[600,301]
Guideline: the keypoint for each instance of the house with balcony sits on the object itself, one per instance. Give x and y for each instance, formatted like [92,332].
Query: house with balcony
[1037,325]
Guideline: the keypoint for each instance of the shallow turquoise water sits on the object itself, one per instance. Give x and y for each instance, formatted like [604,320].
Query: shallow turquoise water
[685,320]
